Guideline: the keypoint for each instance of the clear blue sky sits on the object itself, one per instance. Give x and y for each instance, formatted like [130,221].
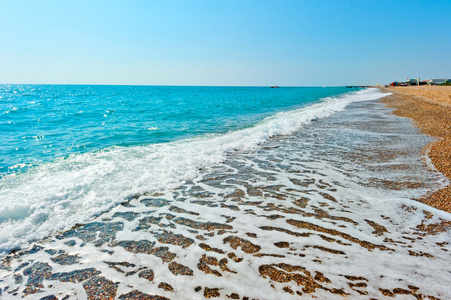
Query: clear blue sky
[209,42]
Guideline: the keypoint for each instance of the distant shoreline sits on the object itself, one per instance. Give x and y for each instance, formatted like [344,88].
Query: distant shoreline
[430,108]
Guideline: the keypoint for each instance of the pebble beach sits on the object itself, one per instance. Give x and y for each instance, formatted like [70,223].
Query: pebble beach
[330,211]
[430,108]
[193,150]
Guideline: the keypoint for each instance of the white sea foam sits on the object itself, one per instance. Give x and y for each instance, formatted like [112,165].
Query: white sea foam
[369,241]
[56,195]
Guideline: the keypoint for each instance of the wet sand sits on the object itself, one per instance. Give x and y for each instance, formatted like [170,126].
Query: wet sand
[430,108]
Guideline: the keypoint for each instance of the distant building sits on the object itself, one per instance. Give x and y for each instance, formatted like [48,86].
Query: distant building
[416,82]
[413,81]
[436,81]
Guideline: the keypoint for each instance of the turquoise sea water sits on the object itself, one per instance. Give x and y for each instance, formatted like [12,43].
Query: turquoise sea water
[69,153]
[39,123]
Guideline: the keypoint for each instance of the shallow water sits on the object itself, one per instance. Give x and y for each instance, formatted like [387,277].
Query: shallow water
[95,149]
[325,211]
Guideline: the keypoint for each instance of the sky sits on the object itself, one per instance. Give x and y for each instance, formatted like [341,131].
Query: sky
[224,42]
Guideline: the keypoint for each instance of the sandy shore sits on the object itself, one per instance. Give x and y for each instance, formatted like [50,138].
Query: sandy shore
[430,108]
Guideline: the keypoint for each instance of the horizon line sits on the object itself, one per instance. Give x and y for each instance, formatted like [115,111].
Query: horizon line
[178,85]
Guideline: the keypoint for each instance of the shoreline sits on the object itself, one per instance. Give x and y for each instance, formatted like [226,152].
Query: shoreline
[430,108]
[303,215]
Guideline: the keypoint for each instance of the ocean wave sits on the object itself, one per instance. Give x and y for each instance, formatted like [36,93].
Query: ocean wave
[59,194]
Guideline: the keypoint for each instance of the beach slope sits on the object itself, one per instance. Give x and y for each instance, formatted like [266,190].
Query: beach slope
[430,108]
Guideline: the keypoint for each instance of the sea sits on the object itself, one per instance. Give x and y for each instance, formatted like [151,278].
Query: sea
[103,176]
[70,152]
